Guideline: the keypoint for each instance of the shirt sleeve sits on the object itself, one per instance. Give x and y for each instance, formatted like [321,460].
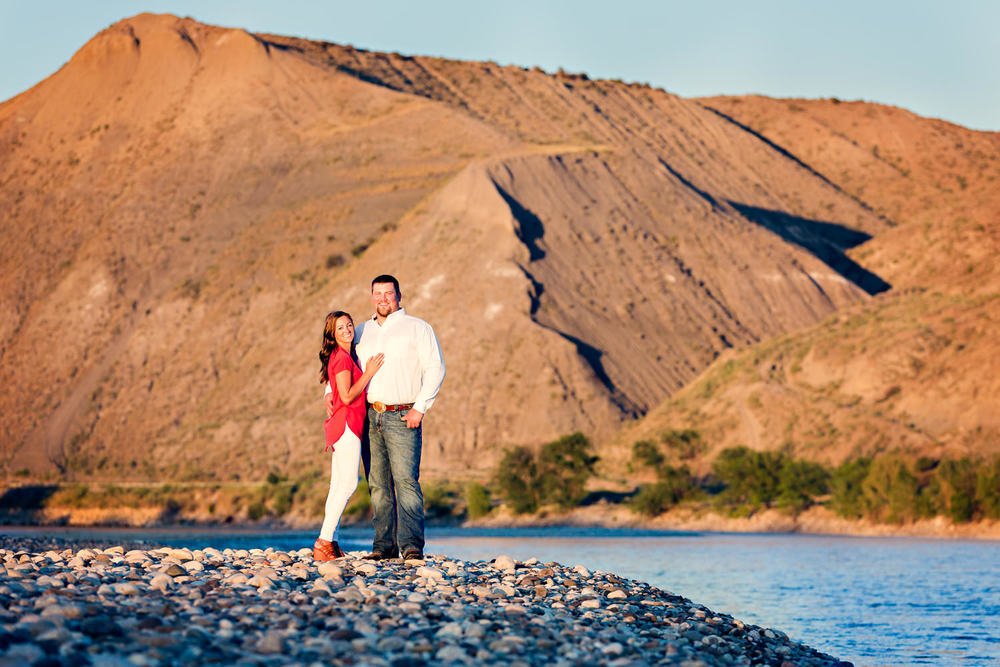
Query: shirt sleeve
[341,362]
[431,368]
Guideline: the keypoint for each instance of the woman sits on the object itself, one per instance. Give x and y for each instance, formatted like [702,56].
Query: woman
[343,428]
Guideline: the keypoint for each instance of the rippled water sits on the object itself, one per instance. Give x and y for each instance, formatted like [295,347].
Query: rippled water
[873,601]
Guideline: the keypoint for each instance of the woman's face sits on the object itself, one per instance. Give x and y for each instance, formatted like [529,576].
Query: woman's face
[343,331]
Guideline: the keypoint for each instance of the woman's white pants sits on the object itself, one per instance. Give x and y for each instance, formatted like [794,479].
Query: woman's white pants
[343,482]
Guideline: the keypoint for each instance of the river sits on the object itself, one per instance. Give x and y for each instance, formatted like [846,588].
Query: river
[872,601]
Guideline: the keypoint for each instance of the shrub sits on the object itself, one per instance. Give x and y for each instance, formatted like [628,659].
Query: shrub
[256,510]
[686,443]
[564,466]
[755,478]
[750,477]
[648,454]
[282,499]
[558,475]
[477,500]
[988,488]
[437,500]
[675,485]
[799,482]
[953,490]
[334,260]
[360,504]
[516,477]
[846,486]
[890,490]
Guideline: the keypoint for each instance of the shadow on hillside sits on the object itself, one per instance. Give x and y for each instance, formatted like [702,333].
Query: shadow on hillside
[28,497]
[529,227]
[826,240]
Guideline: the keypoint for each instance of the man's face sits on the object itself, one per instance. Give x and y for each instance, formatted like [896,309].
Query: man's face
[385,299]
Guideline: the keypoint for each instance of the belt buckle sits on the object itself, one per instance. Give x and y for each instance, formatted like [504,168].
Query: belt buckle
[378,406]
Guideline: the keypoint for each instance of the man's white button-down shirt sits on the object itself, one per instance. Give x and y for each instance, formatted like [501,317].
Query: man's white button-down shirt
[413,369]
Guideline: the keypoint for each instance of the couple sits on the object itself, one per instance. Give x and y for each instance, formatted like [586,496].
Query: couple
[377,415]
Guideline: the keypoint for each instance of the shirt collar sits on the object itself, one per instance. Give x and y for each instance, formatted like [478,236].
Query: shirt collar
[390,316]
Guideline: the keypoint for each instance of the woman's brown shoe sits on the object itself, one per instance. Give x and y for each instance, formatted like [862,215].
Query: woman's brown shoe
[326,550]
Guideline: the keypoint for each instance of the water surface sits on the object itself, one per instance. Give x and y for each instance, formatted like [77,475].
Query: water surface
[872,601]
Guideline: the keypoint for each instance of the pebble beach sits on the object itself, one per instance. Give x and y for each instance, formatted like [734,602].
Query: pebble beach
[73,603]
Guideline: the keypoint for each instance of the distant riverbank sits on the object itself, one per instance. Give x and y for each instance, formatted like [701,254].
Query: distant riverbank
[814,521]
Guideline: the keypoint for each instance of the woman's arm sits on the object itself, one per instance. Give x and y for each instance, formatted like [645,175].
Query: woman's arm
[349,392]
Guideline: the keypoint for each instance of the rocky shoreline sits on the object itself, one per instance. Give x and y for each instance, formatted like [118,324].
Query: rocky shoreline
[69,603]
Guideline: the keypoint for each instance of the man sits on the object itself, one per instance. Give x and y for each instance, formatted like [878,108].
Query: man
[399,396]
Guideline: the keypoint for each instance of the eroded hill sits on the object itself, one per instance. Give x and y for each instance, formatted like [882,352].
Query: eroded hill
[913,370]
[182,204]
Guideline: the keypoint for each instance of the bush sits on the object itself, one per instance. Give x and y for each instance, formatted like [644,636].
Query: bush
[952,491]
[558,475]
[516,477]
[750,477]
[675,485]
[756,479]
[685,443]
[988,488]
[890,490]
[477,500]
[256,510]
[564,466]
[645,452]
[437,501]
[799,482]
[282,499]
[360,504]
[846,485]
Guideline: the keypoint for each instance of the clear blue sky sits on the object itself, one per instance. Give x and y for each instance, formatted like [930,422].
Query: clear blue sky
[939,59]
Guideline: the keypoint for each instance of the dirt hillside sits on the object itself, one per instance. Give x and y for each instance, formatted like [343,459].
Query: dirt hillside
[913,370]
[183,203]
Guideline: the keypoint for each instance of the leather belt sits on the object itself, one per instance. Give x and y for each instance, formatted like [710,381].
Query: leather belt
[378,406]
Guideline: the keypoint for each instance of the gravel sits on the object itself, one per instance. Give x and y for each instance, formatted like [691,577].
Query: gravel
[64,603]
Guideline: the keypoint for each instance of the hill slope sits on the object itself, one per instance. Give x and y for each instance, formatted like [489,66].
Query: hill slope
[183,203]
[914,369]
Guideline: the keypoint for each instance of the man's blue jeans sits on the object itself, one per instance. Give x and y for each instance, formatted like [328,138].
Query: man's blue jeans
[392,466]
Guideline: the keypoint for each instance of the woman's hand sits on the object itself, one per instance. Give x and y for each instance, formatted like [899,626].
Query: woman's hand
[374,363]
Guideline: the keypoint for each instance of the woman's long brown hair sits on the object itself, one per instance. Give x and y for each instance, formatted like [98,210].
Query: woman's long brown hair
[330,342]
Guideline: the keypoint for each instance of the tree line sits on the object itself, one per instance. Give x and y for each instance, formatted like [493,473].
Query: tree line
[888,488]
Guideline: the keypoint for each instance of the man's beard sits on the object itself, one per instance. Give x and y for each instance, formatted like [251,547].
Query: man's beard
[383,311]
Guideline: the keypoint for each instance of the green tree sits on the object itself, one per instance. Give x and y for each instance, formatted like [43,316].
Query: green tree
[437,500]
[675,485]
[953,490]
[988,488]
[685,443]
[646,453]
[846,487]
[799,482]
[751,478]
[516,478]
[890,490]
[564,466]
[477,500]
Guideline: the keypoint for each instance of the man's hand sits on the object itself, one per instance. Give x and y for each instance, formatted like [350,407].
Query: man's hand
[328,399]
[412,418]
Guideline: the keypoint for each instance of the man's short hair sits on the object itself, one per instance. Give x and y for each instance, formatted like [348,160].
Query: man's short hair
[386,278]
